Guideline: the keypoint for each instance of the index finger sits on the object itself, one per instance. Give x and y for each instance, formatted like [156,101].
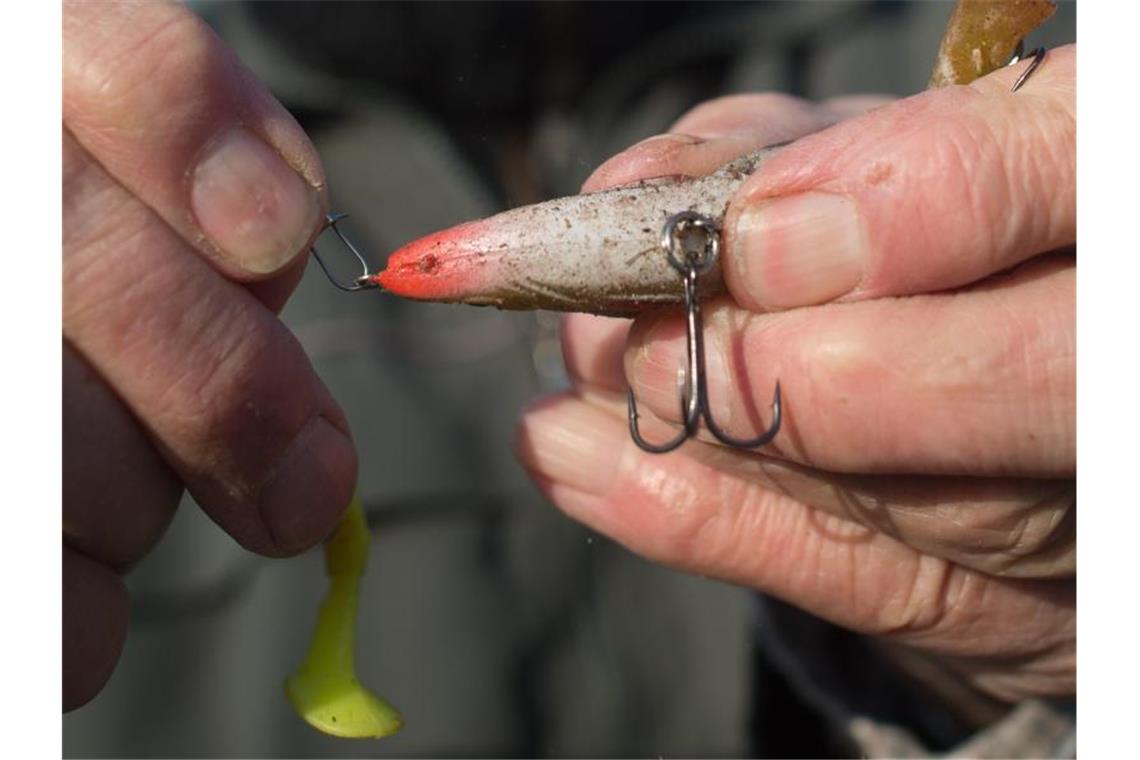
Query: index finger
[718,131]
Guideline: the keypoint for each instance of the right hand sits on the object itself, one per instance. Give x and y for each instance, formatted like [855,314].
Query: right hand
[922,486]
[189,199]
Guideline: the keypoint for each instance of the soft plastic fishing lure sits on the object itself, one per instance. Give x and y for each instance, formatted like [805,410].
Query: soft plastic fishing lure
[325,691]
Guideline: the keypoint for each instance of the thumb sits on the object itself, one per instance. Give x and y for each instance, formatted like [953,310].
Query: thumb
[932,192]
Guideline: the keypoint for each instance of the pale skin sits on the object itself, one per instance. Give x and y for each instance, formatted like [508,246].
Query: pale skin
[920,491]
[922,488]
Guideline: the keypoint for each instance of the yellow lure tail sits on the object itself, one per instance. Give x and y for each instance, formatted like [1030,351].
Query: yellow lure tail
[325,691]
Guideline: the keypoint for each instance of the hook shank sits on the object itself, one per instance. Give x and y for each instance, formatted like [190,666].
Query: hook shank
[694,395]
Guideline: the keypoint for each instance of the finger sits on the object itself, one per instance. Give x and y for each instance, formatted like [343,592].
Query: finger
[118,494]
[592,349]
[929,193]
[221,384]
[679,511]
[94,626]
[976,383]
[170,112]
[711,135]
[847,106]
[1012,527]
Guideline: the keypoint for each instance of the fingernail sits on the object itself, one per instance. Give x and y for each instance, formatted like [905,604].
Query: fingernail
[798,250]
[654,156]
[677,138]
[572,443]
[251,204]
[311,488]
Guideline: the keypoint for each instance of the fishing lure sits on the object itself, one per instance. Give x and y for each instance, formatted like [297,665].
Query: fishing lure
[324,690]
[983,35]
[596,252]
[614,252]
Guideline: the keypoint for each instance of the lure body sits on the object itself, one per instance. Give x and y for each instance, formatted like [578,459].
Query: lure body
[597,252]
[601,252]
[324,690]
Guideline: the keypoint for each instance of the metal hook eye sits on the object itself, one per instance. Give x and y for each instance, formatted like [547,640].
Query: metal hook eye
[364,281]
[680,254]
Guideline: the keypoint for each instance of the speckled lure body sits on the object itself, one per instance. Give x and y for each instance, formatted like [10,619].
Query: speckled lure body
[597,252]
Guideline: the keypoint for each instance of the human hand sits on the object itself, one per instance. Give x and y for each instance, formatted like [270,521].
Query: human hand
[189,195]
[922,486]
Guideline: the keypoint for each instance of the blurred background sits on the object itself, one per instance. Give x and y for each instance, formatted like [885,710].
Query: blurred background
[496,625]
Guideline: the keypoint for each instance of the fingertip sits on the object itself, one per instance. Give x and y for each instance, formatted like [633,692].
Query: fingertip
[95,613]
[656,156]
[592,349]
[769,116]
[256,209]
[311,487]
[564,439]
[712,134]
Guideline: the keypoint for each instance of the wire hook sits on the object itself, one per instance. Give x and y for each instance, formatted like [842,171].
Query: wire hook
[365,281]
[691,264]
[1038,54]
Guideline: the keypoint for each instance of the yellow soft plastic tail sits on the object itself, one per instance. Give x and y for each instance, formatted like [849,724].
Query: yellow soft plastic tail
[324,691]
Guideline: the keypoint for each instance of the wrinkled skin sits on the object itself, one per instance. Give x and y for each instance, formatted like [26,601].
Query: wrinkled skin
[187,208]
[907,271]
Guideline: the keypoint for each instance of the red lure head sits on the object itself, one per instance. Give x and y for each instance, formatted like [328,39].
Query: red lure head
[442,266]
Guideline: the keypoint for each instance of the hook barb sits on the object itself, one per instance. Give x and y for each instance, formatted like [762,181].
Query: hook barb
[749,443]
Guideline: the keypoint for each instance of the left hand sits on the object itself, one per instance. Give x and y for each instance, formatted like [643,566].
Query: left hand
[190,200]
[922,487]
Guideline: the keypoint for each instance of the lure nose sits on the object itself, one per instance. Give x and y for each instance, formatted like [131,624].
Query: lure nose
[444,266]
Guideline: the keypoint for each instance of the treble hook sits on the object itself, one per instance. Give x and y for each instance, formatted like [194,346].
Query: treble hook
[365,281]
[1038,54]
[694,395]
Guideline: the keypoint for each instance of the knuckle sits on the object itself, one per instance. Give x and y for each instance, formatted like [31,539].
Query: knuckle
[721,531]
[103,231]
[709,533]
[229,403]
[920,606]
[94,210]
[117,60]
[1041,543]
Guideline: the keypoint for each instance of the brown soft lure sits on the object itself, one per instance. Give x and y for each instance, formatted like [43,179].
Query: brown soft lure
[982,35]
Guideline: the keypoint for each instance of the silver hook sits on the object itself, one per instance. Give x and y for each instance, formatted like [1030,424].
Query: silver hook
[365,281]
[1038,54]
[694,395]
